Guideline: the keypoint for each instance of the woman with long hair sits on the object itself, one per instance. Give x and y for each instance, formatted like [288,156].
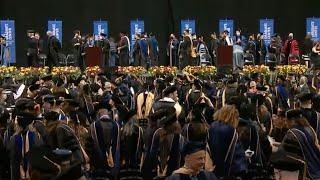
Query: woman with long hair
[227,154]
[164,154]
[131,142]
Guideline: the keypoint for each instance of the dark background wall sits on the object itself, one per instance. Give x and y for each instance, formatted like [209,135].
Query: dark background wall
[160,16]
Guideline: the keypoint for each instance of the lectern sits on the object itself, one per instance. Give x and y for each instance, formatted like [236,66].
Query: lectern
[225,54]
[93,56]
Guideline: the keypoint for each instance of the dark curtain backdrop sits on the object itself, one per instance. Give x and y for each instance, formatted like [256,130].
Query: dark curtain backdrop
[160,16]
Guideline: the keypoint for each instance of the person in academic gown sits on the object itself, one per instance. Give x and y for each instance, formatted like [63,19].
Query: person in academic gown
[229,158]
[32,49]
[164,154]
[154,50]
[299,149]
[77,45]
[123,49]
[194,161]
[185,50]
[104,44]
[20,144]
[54,47]
[172,50]
[103,143]
[131,142]
[60,135]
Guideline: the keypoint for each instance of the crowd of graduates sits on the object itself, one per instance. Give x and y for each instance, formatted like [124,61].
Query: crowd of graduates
[120,126]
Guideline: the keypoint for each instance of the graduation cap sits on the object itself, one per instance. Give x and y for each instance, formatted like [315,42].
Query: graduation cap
[281,77]
[30,31]
[193,147]
[262,88]
[34,87]
[169,90]
[41,159]
[2,37]
[25,118]
[103,34]
[47,77]
[305,97]
[168,118]
[226,31]
[294,114]
[24,103]
[51,116]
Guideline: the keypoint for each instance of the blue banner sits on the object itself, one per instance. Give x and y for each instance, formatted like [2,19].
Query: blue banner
[136,27]
[226,25]
[8,31]
[267,28]
[56,28]
[100,27]
[188,24]
[313,28]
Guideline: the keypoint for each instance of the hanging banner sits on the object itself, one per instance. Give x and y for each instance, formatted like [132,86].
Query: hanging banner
[8,31]
[226,25]
[100,27]
[136,27]
[313,28]
[188,24]
[267,28]
[56,28]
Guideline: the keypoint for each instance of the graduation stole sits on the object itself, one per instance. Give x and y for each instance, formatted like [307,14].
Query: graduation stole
[231,150]
[309,161]
[22,148]
[105,150]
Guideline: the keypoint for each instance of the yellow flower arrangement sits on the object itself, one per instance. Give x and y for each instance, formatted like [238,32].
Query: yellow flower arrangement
[162,70]
[69,71]
[292,69]
[92,71]
[251,69]
[201,70]
[134,70]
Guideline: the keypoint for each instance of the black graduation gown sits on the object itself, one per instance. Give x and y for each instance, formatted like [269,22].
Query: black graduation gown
[185,53]
[60,135]
[18,156]
[124,52]
[77,50]
[54,46]
[104,139]
[104,44]
[32,51]
[154,162]
[298,150]
[131,148]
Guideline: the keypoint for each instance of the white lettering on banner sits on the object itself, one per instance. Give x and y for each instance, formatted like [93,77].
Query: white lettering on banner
[55,31]
[225,27]
[314,30]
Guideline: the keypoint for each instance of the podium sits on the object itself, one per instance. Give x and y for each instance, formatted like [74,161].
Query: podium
[93,56]
[225,56]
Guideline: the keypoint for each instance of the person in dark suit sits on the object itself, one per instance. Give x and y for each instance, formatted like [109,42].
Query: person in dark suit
[54,47]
